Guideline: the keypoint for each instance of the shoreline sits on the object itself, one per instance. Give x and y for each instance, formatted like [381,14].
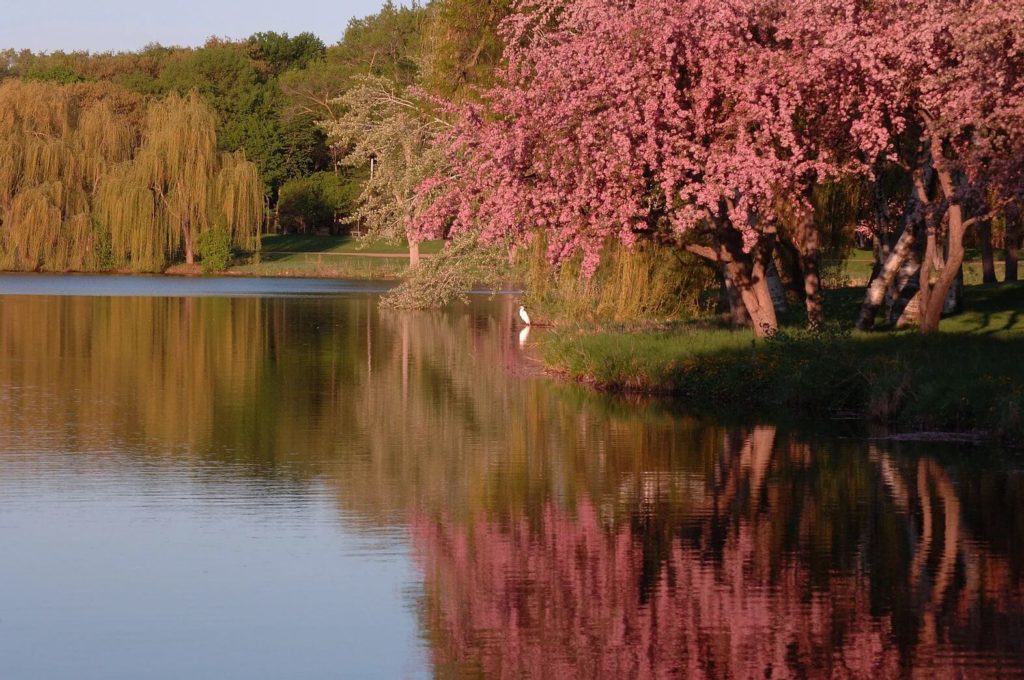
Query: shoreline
[956,386]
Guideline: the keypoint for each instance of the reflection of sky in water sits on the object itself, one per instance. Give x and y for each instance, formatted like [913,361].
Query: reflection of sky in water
[164,286]
[303,485]
[112,572]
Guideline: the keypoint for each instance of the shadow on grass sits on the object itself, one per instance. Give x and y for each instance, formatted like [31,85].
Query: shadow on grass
[299,243]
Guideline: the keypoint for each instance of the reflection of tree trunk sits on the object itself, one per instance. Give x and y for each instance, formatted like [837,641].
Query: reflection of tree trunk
[892,478]
[758,454]
[931,476]
[924,543]
[744,460]
[945,570]
[951,535]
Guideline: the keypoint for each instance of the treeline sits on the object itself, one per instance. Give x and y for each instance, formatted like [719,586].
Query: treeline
[271,93]
[267,99]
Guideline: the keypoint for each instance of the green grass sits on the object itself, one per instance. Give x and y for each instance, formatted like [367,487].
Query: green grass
[298,243]
[331,257]
[968,377]
[331,266]
[859,263]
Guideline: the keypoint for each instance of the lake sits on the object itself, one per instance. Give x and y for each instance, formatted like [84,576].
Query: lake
[243,478]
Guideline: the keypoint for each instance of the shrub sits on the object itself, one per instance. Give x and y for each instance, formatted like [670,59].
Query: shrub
[215,249]
[648,282]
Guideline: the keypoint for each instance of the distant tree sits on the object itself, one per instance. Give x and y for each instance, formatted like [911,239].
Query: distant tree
[282,53]
[318,201]
[386,44]
[392,131]
[389,118]
[462,45]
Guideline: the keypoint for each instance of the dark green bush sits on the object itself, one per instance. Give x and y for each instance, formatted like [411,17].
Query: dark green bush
[215,249]
[316,202]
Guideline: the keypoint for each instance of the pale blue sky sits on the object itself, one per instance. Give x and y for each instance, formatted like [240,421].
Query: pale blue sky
[116,25]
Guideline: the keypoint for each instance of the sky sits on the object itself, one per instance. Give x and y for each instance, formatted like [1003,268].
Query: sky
[124,25]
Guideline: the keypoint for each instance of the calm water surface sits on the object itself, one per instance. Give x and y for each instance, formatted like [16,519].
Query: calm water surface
[275,479]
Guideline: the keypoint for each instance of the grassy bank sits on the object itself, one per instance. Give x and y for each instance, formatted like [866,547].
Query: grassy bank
[970,377]
[331,257]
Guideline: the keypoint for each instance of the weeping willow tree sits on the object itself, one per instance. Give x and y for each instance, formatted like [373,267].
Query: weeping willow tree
[57,143]
[89,181]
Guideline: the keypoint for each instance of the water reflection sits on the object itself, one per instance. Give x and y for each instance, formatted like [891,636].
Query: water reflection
[789,561]
[553,533]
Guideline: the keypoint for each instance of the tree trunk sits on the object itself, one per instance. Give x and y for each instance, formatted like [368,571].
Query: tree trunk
[190,257]
[1012,244]
[933,298]
[749,276]
[745,274]
[787,262]
[988,264]
[876,290]
[881,253]
[809,246]
[776,289]
[414,253]
[737,310]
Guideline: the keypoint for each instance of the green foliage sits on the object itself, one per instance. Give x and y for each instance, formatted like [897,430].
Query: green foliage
[103,251]
[214,247]
[61,74]
[447,277]
[462,46]
[387,44]
[648,282]
[315,202]
[282,53]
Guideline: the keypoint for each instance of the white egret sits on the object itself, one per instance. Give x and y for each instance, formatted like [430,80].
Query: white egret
[523,315]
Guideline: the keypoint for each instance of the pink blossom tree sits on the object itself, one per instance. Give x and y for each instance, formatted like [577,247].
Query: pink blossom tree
[709,124]
[950,76]
[704,123]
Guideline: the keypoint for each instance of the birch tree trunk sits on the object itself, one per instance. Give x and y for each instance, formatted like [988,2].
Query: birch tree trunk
[748,274]
[875,295]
